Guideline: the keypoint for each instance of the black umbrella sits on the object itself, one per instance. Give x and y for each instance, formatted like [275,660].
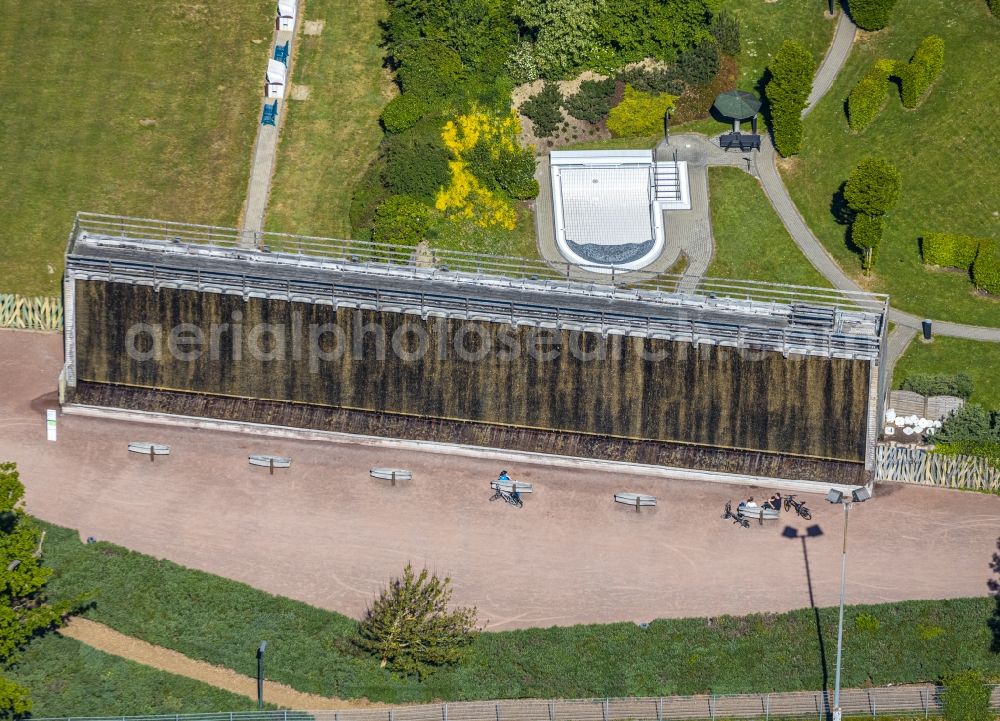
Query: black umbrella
[738,105]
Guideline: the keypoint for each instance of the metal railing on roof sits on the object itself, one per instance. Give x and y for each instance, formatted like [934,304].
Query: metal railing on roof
[380,255]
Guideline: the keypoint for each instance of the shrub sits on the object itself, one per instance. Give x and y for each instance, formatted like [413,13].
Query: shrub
[950,250]
[726,31]
[922,70]
[409,627]
[866,622]
[986,267]
[639,113]
[873,186]
[402,112]
[430,70]
[868,97]
[970,424]
[986,450]
[698,65]
[939,384]
[966,697]
[368,194]
[653,80]
[507,168]
[866,234]
[544,111]
[994,7]
[788,90]
[593,101]
[401,220]
[521,64]
[871,14]
[416,161]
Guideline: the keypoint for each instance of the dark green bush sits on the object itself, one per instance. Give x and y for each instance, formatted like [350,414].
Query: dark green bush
[653,80]
[970,424]
[939,384]
[593,101]
[871,14]
[402,112]
[787,91]
[868,97]
[986,267]
[544,111]
[511,170]
[873,186]
[966,697]
[726,31]
[866,234]
[401,220]
[430,70]
[950,250]
[698,65]
[922,70]
[417,161]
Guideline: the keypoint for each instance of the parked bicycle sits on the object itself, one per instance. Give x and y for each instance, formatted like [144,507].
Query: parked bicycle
[799,506]
[737,518]
[500,491]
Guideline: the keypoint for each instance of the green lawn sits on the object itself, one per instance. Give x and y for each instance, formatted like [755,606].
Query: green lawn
[750,241]
[68,678]
[949,180]
[120,106]
[328,140]
[221,621]
[979,360]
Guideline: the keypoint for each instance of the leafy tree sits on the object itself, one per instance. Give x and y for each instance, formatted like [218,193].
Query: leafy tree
[636,29]
[409,627]
[871,14]
[564,32]
[866,234]
[966,697]
[726,31]
[401,220]
[593,101]
[788,90]
[544,111]
[23,610]
[873,186]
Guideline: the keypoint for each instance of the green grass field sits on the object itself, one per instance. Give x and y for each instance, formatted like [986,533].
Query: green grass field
[221,621]
[117,106]
[979,360]
[68,678]
[949,180]
[750,241]
[328,140]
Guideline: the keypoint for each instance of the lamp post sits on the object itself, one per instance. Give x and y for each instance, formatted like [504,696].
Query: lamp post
[858,495]
[260,674]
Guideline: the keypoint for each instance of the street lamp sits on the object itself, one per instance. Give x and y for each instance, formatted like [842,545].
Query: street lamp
[858,495]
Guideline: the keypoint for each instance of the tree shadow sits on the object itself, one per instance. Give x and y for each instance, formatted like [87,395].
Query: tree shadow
[994,586]
[839,208]
[765,105]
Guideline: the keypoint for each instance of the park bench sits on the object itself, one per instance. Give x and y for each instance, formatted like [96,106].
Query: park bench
[270,116]
[744,142]
[281,52]
[270,462]
[511,486]
[150,449]
[391,474]
[638,500]
[759,513]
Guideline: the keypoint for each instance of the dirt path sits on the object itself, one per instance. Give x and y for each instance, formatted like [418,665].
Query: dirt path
[110,641]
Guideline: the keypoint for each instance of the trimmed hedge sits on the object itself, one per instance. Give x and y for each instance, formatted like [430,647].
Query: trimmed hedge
[938,384]
[986,268]
[639,113]
[922,70]
[792,72]
[950,250]
[871,14]
[868,97]
[402,112]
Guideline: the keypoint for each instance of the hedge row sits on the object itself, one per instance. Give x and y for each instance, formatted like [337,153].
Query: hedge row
[868,97]
[938,384]
[980,255]
[792,72]
[922,70]
[871,14]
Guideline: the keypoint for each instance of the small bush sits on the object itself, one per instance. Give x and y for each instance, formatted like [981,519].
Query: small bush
[521,64]
[866,234]
[544,111]
[402,112]
[698,65]
[866,622]
[593,101]
[871,14]
[507,168]
[922,70]
[401,220]
[639,114]
[726,31]
[986,267]
[949,250]
[966,697]
[873,186]
[868,97]
[653,80]
[970,424]
[416,161]
[938,384]
[430,70]
[788,90]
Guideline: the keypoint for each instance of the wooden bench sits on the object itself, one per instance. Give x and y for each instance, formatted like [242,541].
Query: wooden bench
[270,462]
[391,474]
[635,499]
[150,449]
[270,116]
[759,513]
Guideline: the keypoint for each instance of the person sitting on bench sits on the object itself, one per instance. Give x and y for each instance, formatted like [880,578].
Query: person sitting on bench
[774,503]
[504,478]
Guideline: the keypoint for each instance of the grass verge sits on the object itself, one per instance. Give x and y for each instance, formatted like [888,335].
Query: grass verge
[116,106]
[329,139]
[949,183]
[69,678]
[221,621]
[979,360]
[750,240]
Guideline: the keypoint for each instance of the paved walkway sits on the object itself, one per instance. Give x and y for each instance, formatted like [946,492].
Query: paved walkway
[264,154]
[836,56]
[899,340]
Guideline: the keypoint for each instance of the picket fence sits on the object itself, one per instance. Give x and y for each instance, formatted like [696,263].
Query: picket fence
[37,313]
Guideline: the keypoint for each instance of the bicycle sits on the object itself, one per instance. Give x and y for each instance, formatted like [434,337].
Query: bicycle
[799,506]
[511,497]
[737,518]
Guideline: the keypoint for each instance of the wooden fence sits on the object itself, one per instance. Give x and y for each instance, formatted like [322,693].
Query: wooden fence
[915,465]
[18,311]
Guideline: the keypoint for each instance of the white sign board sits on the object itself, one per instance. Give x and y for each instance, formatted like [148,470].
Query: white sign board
[50,424]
